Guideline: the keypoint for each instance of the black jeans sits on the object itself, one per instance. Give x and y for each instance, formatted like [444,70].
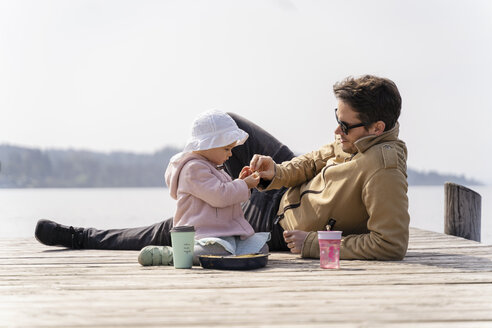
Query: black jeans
[260,210]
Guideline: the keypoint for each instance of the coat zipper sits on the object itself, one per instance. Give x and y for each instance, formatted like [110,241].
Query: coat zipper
[296,205]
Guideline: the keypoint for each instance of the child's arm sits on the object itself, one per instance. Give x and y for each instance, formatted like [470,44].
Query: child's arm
[197,180]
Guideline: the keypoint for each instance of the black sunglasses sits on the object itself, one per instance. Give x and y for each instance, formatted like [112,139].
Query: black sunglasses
[344,126]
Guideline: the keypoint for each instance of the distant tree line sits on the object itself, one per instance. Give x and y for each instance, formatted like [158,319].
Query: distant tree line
[34,168]
[22,167]
[417,178]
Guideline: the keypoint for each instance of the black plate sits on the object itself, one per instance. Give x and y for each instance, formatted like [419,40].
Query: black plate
[240,262]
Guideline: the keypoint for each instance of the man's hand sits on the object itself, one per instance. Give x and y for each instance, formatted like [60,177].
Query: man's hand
[295,240]
[265,166]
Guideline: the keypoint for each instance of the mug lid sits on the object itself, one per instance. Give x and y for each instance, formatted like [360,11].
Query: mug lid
[184,228]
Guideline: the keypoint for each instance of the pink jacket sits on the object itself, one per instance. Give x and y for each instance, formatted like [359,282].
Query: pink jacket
[207,197]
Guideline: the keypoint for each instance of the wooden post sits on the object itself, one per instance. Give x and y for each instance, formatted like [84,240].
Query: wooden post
[462,211]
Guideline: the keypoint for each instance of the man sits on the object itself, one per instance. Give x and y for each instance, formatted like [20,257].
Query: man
[359,181]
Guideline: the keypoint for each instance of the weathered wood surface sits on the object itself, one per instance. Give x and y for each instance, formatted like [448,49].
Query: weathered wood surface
[444,281]
[462,211]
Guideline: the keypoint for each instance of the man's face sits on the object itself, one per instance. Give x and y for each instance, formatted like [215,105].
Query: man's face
[350,117]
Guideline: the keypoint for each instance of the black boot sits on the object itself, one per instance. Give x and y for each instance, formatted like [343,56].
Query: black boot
[53,234]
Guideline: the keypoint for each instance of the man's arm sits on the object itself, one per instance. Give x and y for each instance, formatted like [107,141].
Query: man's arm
[294,172]
[385,198]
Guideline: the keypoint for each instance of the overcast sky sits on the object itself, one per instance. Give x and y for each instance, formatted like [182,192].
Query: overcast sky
[132,75]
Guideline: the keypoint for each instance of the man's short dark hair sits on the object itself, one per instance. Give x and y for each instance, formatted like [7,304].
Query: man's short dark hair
[373,98]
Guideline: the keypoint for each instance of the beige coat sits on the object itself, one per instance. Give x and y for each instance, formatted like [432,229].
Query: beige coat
[365,193]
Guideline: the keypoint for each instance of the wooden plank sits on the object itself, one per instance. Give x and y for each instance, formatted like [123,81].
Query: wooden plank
[444,281]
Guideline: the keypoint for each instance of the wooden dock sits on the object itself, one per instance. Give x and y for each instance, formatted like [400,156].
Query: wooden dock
[443,281]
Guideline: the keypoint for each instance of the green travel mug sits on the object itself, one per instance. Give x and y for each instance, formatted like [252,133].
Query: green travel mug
[183,242]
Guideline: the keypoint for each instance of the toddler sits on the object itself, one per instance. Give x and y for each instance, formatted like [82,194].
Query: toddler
[207,197]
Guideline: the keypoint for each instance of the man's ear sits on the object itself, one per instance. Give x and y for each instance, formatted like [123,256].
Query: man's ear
[378,127]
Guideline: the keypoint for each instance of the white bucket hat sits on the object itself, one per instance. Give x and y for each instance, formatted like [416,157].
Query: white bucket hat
[213,129]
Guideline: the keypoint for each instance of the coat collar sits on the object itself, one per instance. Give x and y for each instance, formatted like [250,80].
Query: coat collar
[367,142]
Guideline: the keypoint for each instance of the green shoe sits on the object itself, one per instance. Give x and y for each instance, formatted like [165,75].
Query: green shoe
[156,255]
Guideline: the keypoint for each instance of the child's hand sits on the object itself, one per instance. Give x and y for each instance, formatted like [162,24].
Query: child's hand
[252,180]
[245,172]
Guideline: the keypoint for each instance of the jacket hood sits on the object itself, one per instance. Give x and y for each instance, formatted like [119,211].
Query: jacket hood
[174,168]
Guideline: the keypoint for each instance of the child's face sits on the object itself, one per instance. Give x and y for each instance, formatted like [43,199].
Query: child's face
[218,155]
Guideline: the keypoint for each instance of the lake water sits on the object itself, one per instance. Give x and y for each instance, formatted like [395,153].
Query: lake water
[119,208]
